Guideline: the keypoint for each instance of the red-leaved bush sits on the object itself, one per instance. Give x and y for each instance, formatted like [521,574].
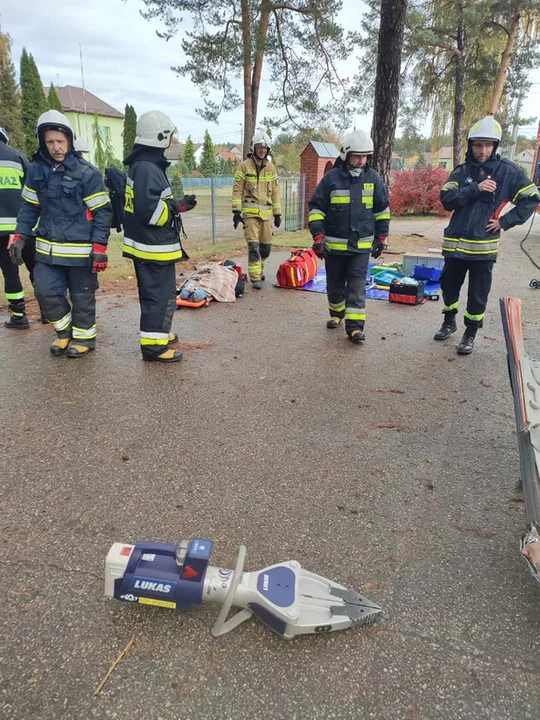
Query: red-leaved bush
[416,192]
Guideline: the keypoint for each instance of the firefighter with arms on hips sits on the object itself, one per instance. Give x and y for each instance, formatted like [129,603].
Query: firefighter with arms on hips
[152,229]
[349,219]
[13,166]
[255,200]
[65,196]
[477,191]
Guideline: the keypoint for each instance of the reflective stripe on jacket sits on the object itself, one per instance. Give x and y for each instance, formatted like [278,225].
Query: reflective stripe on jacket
[256,189]
[13,166]
[466,237]
[71,207]
[149,211]
[349,211]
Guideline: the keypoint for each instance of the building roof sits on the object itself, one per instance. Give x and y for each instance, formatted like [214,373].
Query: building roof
[526,154]
[323,150]
[75,99]
[227,155]
[174,151]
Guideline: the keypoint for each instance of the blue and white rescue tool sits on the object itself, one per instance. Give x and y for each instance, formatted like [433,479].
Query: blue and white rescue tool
[290,600]
[525,382]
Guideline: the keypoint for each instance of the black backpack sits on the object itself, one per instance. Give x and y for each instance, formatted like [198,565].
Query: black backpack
[115,180]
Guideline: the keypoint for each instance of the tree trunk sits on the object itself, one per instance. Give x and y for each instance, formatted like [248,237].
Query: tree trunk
[505,59]
[459,105]
[260,47]
[383,129]
[248,106]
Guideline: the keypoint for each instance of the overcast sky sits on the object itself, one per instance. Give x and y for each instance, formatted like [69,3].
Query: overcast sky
[125,62]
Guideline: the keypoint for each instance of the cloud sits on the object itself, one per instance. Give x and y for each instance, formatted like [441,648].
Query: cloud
[125,62]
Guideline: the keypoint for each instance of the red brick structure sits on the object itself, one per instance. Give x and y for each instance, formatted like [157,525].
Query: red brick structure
[316,159]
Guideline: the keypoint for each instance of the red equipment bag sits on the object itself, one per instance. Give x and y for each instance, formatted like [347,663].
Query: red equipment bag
[298,270]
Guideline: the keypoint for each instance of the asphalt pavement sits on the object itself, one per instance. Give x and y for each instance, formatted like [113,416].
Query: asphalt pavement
[391,468]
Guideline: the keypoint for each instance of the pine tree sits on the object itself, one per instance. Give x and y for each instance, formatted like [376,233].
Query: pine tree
[53,100]
[208,159]
[33,101]
[103,149]
[10,102]
[130,129]
[189,155]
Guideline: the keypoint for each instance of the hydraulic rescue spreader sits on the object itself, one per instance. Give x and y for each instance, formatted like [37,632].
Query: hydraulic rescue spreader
[290,600]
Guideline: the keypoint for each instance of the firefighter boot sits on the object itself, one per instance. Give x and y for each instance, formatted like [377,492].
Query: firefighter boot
[168,356]
[466,346]
[18,319]
[356,336]
[173,338]
[77,351]
[334,322]
[256,285]
[447,328]
[59,346]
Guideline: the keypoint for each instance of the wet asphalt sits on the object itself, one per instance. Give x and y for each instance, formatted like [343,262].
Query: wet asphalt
[390,467]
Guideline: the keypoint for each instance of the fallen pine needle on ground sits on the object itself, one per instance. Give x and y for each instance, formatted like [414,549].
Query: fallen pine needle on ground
[115,663]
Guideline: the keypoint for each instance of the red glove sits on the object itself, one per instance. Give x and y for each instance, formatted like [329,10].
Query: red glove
[318,246]
[379,246]
[99,257]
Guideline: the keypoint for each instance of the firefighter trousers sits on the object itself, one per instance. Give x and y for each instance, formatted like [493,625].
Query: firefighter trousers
[258,235]
[12,281]
[157,298]
[480,277]
[346,288]
[78,319]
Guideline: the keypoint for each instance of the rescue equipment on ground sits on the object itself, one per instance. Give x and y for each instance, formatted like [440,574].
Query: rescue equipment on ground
[525,382]
[406,291]
[211,281]
[290,600]
[298,270]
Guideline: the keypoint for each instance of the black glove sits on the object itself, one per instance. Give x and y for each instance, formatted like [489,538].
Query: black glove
[188,202]
[237,219]
[277,220]
[16,248]
[318,246]
[378,246]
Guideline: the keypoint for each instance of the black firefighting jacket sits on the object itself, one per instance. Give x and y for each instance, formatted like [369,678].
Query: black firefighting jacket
[70,206]
[466,237]
[13,166]
[151,230]
[349,211]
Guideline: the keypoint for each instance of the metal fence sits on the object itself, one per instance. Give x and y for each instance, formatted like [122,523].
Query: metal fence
[211,219]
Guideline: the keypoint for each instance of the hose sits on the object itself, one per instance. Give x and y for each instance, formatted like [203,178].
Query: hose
[534,283]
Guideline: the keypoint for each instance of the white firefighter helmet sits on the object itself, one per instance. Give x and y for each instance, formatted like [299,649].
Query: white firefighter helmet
[155,129]
[260,138]
[356,142]
[53,120]
[4,137]
[487,128]
[80,144]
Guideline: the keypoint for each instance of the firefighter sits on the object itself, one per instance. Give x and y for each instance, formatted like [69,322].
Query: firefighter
[65,197]
[349,219]
[152,228]
[477,191]
[13,166]
[255,199]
